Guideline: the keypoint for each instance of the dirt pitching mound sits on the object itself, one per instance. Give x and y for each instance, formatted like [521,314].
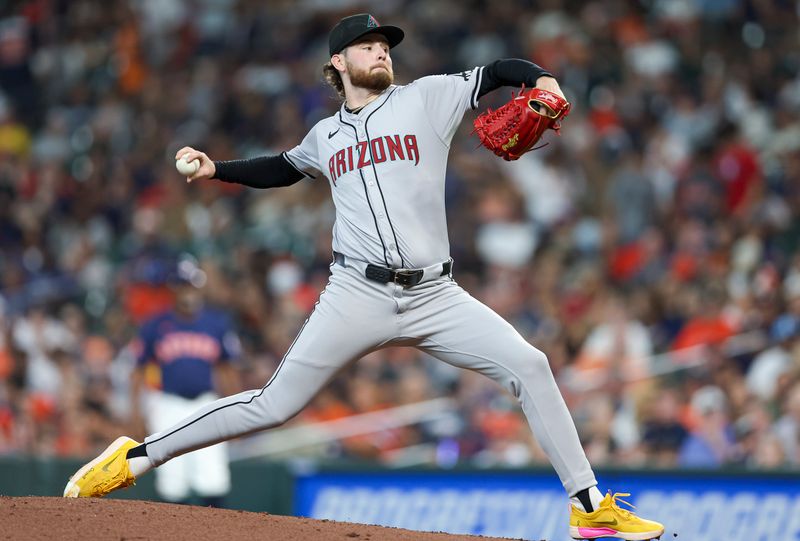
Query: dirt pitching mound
[66,519]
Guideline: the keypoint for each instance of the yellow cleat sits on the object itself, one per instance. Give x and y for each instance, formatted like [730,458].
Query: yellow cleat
[106,473]
[610,520]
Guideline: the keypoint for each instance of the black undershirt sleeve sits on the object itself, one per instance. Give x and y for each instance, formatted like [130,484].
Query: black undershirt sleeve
[261,172]
[509,72]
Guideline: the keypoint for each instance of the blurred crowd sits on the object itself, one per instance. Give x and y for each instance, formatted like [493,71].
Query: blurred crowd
[651,250]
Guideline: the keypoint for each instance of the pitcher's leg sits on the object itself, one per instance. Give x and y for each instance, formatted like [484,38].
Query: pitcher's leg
[353,317]
[465,333]
[292,387]
[343,327]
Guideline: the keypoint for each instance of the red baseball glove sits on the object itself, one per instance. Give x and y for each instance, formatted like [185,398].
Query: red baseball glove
[513,129]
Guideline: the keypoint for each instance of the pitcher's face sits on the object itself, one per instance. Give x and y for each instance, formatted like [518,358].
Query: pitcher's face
[369,64]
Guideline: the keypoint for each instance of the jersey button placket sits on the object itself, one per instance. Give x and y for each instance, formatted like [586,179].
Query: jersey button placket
[372,188]
[375,195]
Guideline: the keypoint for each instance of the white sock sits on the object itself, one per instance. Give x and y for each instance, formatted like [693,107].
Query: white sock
[139,465]
[594,495]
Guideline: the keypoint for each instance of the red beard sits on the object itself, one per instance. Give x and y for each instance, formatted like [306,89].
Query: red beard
[377,81]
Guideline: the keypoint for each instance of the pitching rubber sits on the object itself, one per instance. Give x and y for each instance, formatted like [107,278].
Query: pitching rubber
[72,490]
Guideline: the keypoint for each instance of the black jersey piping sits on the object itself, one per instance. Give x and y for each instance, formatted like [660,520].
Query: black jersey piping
[375,170]
[256,394]
[366,194]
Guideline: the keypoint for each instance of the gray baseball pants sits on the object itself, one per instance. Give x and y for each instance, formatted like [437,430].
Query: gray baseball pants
[355,316]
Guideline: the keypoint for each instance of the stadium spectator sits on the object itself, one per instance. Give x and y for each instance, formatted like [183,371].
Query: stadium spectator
[787,428]
[711,441]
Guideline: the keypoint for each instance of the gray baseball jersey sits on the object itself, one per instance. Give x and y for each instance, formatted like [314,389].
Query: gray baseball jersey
[386,165]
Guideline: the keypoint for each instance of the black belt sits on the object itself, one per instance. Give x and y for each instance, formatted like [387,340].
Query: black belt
[401,277]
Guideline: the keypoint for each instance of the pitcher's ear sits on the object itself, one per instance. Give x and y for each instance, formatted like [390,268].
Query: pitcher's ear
[337,61]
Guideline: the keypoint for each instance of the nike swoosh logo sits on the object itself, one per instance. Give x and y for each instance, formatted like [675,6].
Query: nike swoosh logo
[612,522]
[105,468]
[331,134]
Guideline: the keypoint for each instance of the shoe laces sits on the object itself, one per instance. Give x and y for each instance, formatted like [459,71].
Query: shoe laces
[616,498]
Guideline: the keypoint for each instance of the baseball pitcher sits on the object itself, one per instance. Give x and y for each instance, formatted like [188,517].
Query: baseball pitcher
[384,154]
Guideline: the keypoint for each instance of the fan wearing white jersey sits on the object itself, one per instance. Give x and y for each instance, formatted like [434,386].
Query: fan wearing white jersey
[384,154]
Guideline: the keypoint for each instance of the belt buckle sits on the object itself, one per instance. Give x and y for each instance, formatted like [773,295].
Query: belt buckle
[408,278]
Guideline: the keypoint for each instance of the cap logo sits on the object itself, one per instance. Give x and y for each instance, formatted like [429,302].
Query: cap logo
[372,22]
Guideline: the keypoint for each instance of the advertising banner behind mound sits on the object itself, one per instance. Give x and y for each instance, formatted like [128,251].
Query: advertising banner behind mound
[533,506]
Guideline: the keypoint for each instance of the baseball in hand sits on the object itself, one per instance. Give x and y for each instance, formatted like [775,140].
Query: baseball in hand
[185,168]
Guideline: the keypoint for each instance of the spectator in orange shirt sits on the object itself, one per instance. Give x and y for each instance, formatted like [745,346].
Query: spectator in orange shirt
[706,323]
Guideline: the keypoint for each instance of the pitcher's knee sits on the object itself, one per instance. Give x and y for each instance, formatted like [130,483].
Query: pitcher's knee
[533,364]
[270,413]
[525,370]
[281,413]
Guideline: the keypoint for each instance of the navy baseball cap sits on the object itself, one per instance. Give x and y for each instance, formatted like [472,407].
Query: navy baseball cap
[353,27]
